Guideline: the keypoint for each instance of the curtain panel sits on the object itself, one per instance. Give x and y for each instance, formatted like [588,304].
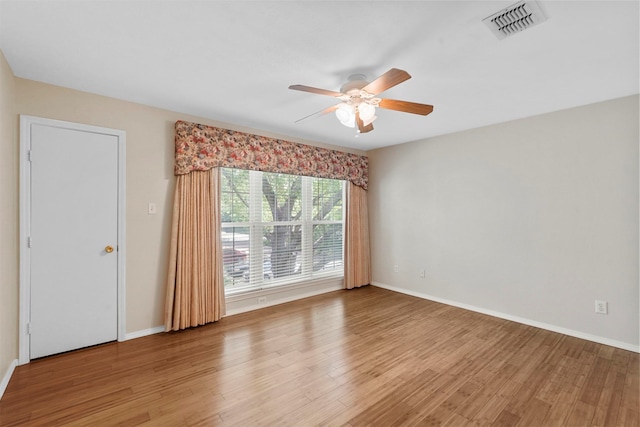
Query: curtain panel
[200,147]
[195,288]
[357,258]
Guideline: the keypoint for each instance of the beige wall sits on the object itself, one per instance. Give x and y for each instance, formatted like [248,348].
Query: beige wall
[534,219]
[8,220]
[149,178]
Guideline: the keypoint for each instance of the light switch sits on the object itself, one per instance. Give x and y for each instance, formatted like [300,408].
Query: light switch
[152,209]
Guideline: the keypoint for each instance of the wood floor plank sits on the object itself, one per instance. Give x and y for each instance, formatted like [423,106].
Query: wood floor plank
[581,414]
[367,356]
[595,381]
[610,399]
[491,409]
[535,413]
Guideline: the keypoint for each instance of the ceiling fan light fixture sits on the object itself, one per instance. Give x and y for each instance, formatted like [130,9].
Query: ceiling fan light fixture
[346,115]
[367,112]
[368,122]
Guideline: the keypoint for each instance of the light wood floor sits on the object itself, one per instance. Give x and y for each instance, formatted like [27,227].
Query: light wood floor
[362,357]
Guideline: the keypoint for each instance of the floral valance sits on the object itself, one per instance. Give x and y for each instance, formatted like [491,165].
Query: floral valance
[200,147]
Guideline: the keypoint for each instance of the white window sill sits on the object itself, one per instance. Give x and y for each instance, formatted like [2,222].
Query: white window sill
[248,299]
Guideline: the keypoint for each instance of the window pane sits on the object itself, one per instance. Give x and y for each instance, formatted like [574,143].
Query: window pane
[327,199]
[327,247]
[282,247]
[282,196]
[235,256]
[234,195]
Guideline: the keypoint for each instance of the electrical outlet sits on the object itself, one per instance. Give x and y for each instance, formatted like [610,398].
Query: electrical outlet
[601,307]
[395,268]
[423,273]
[262,300]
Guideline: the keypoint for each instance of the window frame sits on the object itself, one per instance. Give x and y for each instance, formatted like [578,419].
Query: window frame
[256,226]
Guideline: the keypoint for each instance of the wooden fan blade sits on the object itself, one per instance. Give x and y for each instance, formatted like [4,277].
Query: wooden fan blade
[319,113]
[387,81]
[405,106]
[361,127]
[304,88]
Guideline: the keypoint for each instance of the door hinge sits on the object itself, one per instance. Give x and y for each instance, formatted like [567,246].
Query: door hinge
[29,242]
[29,156]
[29,328]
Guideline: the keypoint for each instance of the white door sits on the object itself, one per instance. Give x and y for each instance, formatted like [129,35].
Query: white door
[73,239]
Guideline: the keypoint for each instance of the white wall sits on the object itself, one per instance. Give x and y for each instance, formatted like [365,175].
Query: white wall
[533,219]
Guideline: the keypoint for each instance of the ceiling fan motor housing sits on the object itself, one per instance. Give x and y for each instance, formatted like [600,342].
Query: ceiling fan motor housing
[356,81]
[354,95]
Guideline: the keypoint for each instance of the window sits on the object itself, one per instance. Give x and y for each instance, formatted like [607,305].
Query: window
[279,229]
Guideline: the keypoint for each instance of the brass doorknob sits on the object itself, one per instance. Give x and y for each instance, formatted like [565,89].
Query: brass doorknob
[108,249]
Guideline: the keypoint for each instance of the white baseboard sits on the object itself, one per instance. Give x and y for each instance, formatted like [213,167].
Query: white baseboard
[276,295]
[7,377]
[143,333]
[524,321]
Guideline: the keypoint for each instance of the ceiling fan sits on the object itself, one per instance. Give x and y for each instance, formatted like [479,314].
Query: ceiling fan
[359,102]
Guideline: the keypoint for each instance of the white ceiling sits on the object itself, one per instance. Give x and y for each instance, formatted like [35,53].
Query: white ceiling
[232,61]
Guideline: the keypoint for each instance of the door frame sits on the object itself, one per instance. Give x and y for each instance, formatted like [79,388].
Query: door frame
[25,221]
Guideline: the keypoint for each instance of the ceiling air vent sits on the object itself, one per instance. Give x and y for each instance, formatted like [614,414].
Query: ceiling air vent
[515,18]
